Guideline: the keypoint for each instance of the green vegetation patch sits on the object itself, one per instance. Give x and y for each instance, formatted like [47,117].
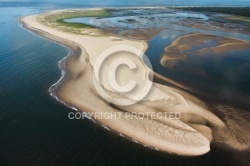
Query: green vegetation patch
[60,17]
[238,18]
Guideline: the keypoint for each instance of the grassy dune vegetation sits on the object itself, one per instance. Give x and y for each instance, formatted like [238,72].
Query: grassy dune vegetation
[238,18]
[58,18]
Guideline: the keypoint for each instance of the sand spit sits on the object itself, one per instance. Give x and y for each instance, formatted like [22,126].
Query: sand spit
[185,136]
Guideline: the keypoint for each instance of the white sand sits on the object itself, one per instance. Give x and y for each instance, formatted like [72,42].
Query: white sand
[187,136]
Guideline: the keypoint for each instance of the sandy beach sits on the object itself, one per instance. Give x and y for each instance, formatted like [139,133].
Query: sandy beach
[187,136]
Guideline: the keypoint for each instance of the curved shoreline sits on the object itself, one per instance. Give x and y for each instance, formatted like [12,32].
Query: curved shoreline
[146,140]
[64,74]
[74,50]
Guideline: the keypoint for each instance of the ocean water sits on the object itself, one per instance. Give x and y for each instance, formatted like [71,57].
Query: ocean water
[35,128]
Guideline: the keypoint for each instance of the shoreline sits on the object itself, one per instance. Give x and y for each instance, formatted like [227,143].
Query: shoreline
[72,49]
[66,63]
[64,75]
[62,64]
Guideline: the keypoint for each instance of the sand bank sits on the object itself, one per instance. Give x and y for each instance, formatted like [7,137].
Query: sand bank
[186,136]
[203,45]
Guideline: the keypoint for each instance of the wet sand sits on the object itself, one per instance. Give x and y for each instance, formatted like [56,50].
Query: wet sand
[140,34]
[206,45]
